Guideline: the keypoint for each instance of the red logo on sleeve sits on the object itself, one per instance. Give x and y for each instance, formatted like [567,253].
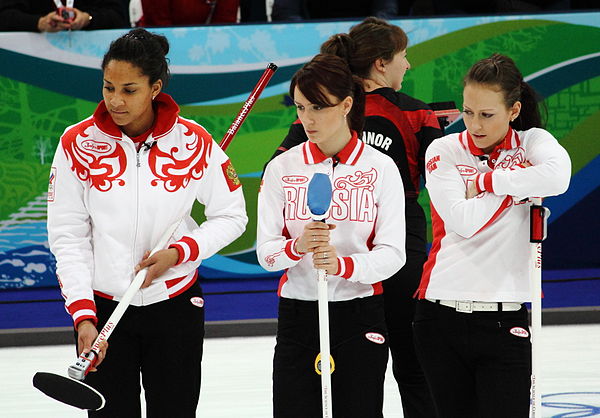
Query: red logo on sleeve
[231,177]
[432,163]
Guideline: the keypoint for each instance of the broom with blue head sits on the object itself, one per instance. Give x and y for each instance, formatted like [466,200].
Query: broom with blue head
[318,201]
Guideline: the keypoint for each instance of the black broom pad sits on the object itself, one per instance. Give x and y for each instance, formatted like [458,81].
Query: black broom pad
[69,391]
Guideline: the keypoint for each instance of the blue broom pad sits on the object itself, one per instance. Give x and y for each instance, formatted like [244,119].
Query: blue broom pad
[69,391]
[319,194]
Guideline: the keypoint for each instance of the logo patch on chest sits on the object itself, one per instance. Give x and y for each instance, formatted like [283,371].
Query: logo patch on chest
[466,170]
[96,146]
[295,179]
[98,163]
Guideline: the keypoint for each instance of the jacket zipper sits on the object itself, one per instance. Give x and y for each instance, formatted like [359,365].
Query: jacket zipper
[137,204]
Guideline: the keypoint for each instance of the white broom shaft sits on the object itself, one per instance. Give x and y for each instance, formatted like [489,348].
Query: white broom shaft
[324,344]
[536,322]
[139,278]
[536,328]
[130,293]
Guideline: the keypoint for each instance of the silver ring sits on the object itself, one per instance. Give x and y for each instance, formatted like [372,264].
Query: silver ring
[325,255]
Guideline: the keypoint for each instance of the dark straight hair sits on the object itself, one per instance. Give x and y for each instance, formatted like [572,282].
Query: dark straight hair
[144,50]
[501,71]
[327,73]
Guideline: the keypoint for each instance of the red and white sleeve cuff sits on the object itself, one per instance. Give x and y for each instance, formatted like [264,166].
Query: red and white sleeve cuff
[290,250]
[81,310]
[483,181]
[345,267]
[187,248]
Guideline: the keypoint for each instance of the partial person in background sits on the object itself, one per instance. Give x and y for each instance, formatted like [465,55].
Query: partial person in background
[360,245]
[254,11]
[188,12]
[119,180]
[584,4]
[298,10]
[471,325]
[444,7]
[401,127]
[42,16]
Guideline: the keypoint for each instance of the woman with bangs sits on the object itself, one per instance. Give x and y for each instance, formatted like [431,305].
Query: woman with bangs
[401,127]
[360,245]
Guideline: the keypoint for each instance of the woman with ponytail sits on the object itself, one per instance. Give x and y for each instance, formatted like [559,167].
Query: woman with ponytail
[471,325]
[360,244]
[119,180]
[401,127]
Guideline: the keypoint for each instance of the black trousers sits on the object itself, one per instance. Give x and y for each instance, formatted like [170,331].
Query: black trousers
[360,357]
[400,306]
[475,365]
[163,342]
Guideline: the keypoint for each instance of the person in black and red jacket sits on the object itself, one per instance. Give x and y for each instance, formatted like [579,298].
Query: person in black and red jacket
[401,127]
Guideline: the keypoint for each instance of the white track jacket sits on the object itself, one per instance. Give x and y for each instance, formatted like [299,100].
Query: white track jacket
[367,208]
[481,249]
[109,203]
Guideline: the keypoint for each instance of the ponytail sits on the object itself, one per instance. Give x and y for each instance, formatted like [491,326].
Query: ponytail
[371,39]
[530,115]
[340,44]
[356,117]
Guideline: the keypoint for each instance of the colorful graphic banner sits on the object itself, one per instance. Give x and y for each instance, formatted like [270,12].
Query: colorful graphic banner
[50,81]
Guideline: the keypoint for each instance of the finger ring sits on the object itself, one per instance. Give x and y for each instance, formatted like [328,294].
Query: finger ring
[324,255]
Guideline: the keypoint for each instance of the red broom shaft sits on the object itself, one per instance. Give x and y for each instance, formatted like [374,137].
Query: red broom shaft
[248,104]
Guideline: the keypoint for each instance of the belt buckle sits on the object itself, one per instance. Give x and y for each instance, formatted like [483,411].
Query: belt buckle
[464,306]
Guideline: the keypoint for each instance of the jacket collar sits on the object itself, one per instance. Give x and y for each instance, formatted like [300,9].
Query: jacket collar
[511,140]
[167,113]
[348,155]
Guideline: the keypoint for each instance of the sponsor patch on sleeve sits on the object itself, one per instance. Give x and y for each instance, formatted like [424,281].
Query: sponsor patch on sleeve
[231,177]
[432,163]
[375,337]
[197,301]
[51,184]
[519,332]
